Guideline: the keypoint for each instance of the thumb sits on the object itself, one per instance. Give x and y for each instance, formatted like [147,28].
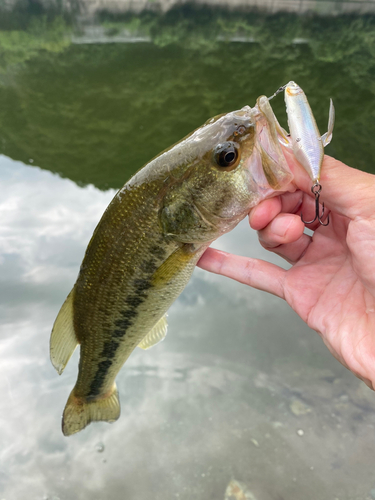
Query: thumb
[345,190]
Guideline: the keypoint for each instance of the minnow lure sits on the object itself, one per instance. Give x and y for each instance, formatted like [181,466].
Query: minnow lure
[305,140]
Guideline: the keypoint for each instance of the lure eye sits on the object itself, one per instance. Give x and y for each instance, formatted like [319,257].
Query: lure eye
[226,154]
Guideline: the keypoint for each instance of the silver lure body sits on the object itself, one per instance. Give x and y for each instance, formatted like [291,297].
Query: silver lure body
[305,140]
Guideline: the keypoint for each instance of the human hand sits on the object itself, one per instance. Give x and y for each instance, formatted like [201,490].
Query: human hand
[331,283]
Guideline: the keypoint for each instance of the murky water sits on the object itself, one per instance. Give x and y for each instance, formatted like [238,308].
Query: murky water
[241,396]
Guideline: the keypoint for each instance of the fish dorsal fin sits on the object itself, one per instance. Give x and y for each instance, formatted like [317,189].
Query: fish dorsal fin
[156,335]
[63,338]
[326,138]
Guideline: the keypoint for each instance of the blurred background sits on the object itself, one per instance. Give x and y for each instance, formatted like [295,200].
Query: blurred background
[241,401]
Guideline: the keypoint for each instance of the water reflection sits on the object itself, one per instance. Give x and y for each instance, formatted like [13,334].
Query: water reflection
[239,393]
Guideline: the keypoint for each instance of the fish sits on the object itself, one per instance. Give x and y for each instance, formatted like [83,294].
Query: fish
[305,140]
[148,242]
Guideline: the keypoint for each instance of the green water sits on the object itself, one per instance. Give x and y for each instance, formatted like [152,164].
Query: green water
[226,395]
[95,113]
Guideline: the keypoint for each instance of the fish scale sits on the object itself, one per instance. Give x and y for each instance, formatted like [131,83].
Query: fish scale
[129,284]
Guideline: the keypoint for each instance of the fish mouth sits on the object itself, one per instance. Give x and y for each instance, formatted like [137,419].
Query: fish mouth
[268,173]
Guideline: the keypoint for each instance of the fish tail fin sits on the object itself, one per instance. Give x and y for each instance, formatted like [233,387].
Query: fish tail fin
[79,411]
[63,337]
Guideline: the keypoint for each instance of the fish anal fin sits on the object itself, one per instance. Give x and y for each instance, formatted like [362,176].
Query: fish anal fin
[80,411]
[63,338]
[156,335]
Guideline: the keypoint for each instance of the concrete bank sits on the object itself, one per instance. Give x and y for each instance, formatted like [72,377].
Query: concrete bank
[322,7]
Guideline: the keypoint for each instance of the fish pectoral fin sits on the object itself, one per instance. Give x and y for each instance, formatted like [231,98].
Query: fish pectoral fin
[327,137]
[79,411]
[156,335]
[63,338]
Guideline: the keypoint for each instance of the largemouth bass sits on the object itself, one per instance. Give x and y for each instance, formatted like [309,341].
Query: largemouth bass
[145,248]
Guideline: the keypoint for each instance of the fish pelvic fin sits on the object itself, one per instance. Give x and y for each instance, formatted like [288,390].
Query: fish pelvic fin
[63,338]
[80,412]
[155,335]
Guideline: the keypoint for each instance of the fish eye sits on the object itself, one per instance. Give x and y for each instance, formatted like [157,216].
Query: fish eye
[227,154]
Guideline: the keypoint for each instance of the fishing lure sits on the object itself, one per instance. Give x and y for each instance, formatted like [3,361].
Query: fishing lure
[305,140]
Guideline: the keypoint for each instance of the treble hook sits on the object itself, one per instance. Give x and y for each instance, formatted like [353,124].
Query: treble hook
[315,189]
